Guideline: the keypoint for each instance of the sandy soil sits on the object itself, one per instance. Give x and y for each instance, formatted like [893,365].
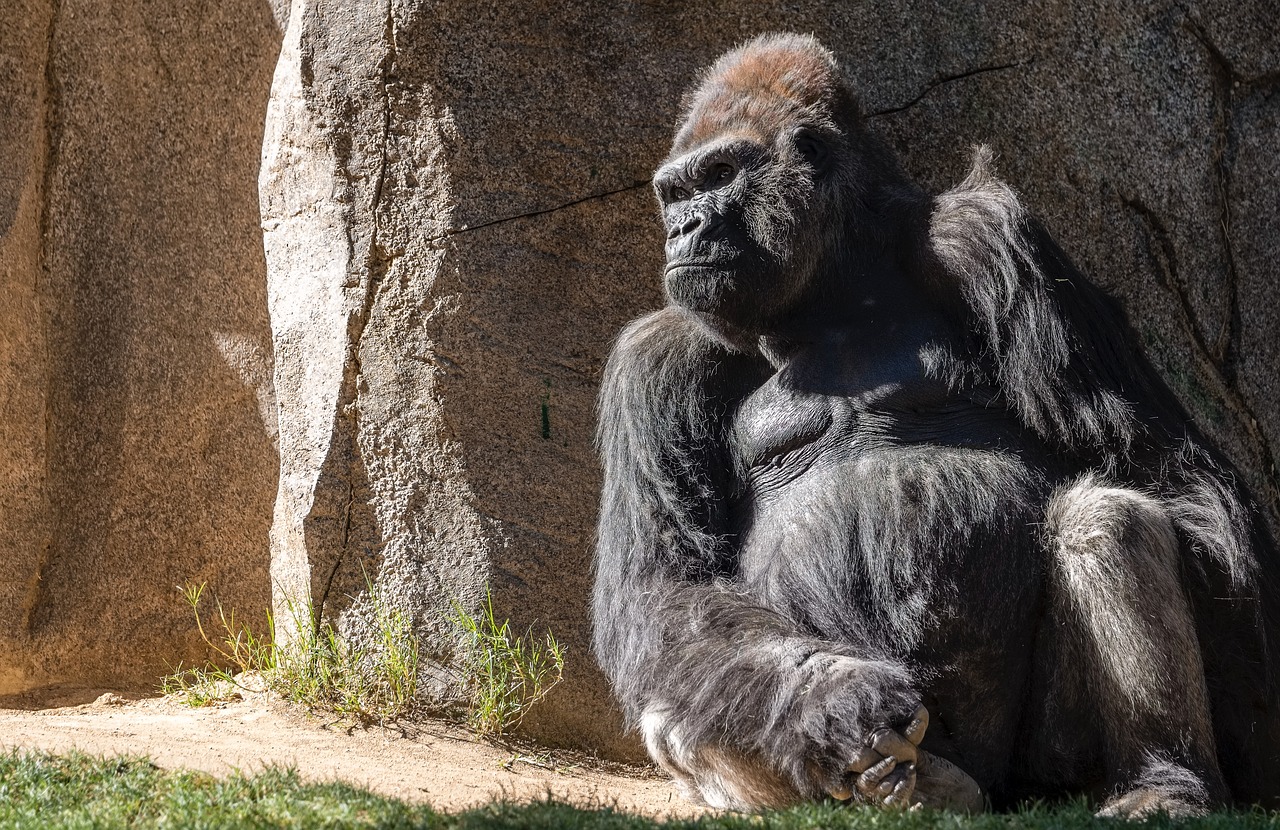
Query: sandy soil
[435,762]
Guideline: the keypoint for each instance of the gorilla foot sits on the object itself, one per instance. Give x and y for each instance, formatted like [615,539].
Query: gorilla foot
[1141,802]
[1163,787]
[941,785]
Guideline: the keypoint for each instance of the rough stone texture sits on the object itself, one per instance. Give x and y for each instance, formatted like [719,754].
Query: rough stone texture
[23,392]
[458,222]
[137,435]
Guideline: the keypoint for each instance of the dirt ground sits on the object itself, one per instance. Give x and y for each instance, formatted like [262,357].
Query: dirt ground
[433,762]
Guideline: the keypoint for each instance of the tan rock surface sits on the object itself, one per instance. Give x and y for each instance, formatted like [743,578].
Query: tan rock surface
[480,192]
[456,223]
[137,439]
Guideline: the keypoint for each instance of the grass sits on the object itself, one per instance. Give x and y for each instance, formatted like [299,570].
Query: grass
[319,668]
[237,648]
[504,675]
[76,791]
[38,790]
[375,683]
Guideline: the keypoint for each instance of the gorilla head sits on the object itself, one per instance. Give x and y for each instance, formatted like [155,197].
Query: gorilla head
[769,167]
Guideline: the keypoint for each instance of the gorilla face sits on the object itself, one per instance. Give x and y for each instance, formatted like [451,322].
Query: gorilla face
[737,211]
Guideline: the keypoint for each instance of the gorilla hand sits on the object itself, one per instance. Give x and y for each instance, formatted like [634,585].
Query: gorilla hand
[893,771]
[885,770]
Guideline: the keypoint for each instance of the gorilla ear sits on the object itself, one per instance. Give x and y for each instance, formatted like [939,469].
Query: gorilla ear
[812,147]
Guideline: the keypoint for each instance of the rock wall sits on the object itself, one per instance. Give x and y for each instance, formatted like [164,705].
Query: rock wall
[458,221]
[137,436]
[456,218]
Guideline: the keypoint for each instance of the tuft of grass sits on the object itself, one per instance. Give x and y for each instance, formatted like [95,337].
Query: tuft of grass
[319,668]
[238,651]
[39,790]
[504,674]
[377,682]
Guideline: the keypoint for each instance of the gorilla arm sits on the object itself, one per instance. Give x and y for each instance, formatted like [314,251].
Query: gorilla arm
[738,704]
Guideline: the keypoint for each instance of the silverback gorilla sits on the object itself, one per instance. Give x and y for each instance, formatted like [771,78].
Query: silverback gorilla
[893,507]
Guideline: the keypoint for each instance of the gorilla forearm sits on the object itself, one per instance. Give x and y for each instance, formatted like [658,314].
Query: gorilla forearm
[713,668]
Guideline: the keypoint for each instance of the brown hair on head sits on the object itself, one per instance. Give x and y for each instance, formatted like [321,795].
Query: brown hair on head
[770,83]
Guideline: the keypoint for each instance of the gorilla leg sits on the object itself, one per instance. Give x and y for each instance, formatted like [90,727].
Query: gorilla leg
[1119,601]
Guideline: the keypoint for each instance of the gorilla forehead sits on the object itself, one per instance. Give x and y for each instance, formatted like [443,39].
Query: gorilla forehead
[763,87]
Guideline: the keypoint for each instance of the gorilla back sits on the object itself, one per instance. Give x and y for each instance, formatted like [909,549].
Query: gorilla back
[893,507]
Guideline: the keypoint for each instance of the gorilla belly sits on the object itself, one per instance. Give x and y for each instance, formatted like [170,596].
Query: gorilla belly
[898,539]
[902,548]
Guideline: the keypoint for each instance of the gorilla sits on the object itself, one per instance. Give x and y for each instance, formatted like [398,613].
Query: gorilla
[893,507]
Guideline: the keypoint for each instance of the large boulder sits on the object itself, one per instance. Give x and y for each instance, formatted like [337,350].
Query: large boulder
[457,222]
[137,434]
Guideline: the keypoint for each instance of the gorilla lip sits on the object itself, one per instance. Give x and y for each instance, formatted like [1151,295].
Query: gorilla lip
[690,264]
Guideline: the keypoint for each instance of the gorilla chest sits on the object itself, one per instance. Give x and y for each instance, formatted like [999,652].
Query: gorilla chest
[842,397]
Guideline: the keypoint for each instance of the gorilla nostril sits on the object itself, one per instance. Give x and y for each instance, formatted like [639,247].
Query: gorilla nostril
[686,226]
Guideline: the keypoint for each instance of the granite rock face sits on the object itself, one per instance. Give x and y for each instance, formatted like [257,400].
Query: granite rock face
[137,436]
[454,205]
[458,221]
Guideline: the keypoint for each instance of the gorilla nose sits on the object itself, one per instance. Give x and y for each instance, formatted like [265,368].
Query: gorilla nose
[685,226]
[693,237]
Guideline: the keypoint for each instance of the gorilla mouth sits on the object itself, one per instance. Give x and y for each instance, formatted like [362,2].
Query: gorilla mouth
[685,265]
[696,283]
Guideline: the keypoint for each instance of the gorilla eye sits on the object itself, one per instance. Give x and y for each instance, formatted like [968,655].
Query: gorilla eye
[679,194]
[721,174]
[813,148]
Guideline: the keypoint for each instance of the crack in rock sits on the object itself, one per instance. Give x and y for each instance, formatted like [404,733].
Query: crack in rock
[947,79]
[377,265]
[1225,80]
[1161,250]
[636,185]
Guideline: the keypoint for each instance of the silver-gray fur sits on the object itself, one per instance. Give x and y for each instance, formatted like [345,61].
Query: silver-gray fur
[1119,601]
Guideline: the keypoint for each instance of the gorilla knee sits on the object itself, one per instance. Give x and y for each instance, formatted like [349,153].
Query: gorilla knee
[1116,577]
[1110,526]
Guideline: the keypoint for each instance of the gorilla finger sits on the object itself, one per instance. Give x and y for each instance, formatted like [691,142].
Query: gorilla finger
[904,786]
[841,791]
[918,726]
[890,743]
[869,781]
[867,757]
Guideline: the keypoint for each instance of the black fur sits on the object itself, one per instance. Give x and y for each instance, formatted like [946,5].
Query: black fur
[829,461]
